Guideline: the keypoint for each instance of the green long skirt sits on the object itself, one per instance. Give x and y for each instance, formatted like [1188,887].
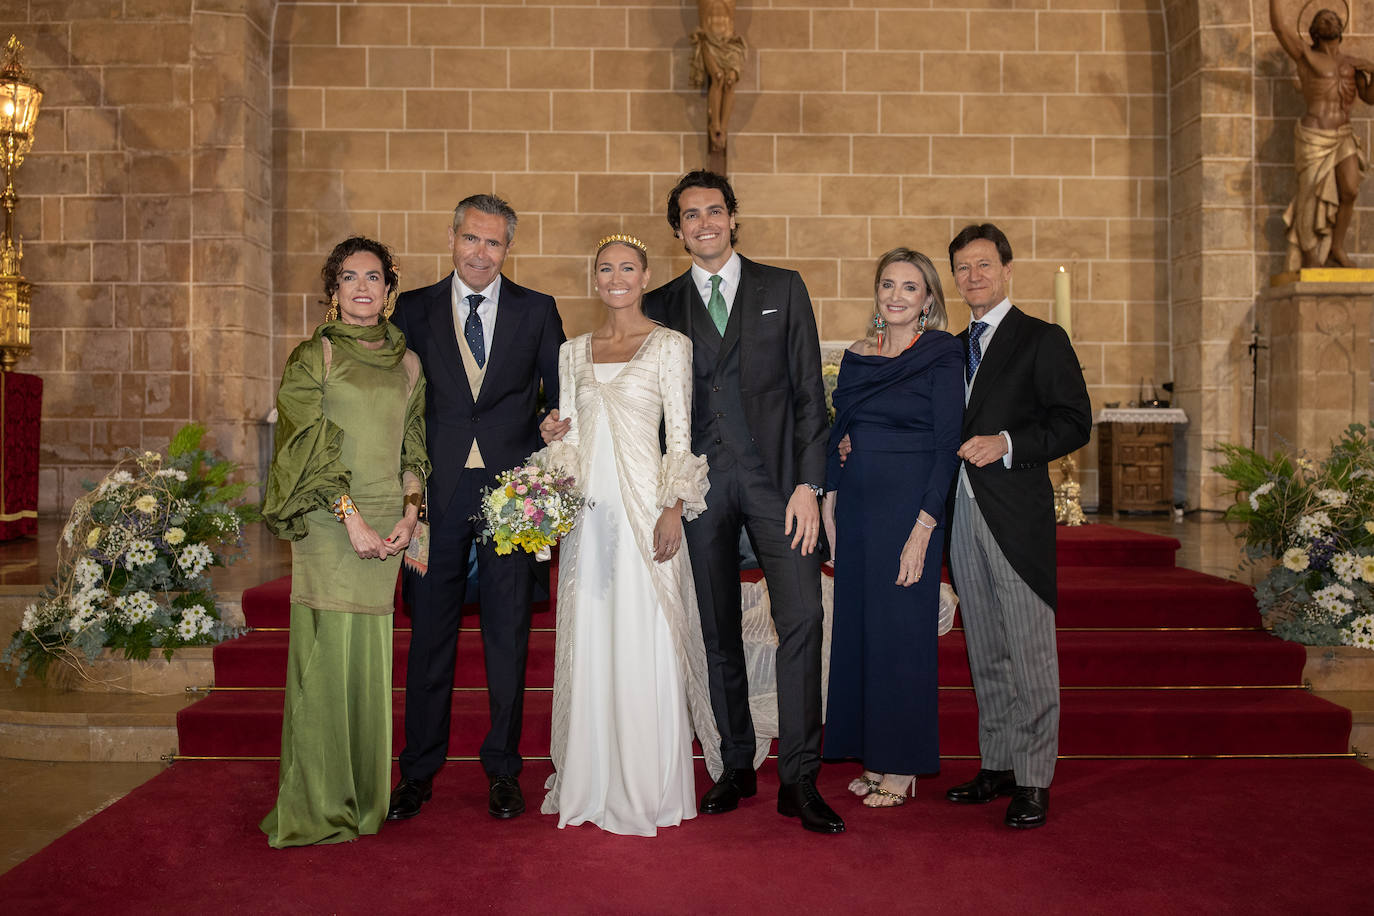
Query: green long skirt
[335,777]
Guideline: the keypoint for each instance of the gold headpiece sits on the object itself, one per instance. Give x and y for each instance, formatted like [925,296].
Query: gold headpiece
[624,240]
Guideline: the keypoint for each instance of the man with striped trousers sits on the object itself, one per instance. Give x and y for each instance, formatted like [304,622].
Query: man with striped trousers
[1025,406]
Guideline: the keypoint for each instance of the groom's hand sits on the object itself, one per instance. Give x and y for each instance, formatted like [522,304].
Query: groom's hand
[803,513]
[552,428]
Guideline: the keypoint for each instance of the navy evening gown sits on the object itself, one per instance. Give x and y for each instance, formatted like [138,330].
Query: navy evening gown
[903,416]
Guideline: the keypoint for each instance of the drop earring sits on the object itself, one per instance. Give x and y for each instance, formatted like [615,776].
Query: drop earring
[333,313]
[880,327]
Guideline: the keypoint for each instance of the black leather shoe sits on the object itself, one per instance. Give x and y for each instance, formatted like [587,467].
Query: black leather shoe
[407,798]
[801,799]
[728,790]
[983,788]
[504,798]
[1029,807]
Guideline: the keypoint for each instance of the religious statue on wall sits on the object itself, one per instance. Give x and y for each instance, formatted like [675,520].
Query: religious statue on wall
[1327,156]
[717,56]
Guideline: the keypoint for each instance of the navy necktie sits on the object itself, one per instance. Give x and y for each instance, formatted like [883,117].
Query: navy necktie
[472,330]
[975,349]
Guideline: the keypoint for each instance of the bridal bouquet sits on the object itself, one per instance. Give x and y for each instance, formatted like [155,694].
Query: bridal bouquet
[134,560]
[531,507]
[1314,521]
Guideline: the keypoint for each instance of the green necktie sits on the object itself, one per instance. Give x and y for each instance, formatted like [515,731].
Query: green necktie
[716,306]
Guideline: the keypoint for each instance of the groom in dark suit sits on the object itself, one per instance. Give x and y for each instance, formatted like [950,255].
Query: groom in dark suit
[486,344]
[758,414]
[1025,406]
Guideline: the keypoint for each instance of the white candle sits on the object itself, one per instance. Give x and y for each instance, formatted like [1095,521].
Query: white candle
[1063,311]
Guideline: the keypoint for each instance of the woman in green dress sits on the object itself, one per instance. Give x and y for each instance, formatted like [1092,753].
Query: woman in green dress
[350,464]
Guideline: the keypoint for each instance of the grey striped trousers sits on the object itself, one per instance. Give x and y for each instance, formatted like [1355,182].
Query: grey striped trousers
[1012,652]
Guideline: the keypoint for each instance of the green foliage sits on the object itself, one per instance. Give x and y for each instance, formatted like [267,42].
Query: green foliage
[1313,524]
[134,558]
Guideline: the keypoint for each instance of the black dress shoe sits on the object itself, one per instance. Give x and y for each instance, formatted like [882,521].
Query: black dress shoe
[801,799]
[504,798]
[1029,807]
[729,789]
[407,798]
[983,788]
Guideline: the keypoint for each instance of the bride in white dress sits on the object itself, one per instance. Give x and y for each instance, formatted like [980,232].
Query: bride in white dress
[630,668]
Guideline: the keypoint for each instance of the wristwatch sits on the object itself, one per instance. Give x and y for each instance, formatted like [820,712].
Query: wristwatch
[819,491]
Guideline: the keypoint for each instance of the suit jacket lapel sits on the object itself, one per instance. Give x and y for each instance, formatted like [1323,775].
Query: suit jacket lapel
[696,322]
[1008,340]
[510,322]
[445,335]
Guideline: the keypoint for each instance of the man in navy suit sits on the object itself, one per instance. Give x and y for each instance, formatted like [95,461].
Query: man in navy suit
[759,416]
[1025,406]
[486,345]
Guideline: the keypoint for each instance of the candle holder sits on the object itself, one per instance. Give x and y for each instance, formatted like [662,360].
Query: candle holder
[20,98]
[1067,509]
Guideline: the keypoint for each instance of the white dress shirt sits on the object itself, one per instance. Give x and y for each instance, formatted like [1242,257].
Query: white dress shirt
[729,281]
[992,318]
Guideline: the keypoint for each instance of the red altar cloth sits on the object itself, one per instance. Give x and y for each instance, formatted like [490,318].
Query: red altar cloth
[21,405]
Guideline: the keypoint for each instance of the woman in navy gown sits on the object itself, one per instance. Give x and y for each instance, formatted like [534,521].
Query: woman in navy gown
[900,400]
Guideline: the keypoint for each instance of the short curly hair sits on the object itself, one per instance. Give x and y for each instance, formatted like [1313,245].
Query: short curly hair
[349,247]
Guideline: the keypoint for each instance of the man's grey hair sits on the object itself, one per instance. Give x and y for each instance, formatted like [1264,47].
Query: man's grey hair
[487,203]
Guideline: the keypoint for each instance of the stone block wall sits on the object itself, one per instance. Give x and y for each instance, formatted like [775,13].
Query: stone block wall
[855,129]
[144,212]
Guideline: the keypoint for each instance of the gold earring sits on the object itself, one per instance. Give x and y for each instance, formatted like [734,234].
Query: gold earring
[390,306]
[333,313]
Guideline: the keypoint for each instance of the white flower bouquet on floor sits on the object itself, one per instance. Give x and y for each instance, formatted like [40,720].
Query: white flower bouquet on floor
[134,557]
[531,507]
[1314,522]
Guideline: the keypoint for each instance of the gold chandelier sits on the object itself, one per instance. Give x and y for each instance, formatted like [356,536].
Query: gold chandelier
[20,98]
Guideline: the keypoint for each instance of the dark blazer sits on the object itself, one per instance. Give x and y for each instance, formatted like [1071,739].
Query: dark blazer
[1030,385]
[779,364]
[522,354]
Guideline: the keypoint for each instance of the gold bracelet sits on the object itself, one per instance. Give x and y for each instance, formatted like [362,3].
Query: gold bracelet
[412,499]
[344,507]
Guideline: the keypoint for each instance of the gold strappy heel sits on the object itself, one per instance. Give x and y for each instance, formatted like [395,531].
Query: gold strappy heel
[894,799]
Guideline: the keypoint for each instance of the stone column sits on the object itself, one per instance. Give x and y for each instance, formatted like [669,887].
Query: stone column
[1318,339]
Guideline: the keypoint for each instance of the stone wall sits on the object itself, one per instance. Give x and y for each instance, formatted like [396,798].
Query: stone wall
[144,212]
[197,158]
[855,130]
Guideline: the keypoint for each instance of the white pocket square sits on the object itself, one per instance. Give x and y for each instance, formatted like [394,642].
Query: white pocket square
[767,312]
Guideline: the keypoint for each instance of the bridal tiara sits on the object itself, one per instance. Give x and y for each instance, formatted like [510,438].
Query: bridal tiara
[624,240]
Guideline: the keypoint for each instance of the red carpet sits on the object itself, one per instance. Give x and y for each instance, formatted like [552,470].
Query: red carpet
[1156,837]
[1131,836]
[1126,633]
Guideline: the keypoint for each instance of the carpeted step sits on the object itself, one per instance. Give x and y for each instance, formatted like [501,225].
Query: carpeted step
[1129,596]
[259,660]
[1155,658]
[1202,722]
[1129,658]
[248,723]
[1108,545]
[269,604]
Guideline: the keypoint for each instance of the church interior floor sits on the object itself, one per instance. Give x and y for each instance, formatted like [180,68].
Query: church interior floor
[41,800]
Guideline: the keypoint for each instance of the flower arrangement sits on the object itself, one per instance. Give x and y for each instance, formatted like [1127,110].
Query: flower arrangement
[1315,523]
[133,560]
[531,507]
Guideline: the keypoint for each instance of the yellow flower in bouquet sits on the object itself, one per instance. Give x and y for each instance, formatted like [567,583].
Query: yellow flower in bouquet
[530,508]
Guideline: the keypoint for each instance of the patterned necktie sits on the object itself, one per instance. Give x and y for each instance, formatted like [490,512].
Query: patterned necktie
[975,349]
[472,330]
[715,306]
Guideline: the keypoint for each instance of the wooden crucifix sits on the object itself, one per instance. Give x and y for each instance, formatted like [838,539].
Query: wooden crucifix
[717,56]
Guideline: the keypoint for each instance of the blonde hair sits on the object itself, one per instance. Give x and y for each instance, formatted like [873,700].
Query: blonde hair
[936,319]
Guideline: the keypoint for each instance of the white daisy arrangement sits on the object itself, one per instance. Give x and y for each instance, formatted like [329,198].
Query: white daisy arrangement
[134,560]
[1312,523]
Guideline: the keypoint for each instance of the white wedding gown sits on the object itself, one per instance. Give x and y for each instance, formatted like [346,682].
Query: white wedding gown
[630,668]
